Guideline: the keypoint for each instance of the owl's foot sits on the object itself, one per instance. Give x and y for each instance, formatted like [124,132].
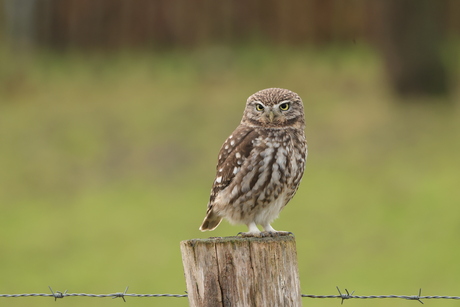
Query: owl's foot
[275,233]
[269,231]
[279,233]
[265,234]
[253,231]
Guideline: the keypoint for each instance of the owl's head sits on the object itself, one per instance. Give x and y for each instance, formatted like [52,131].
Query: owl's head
[274,107]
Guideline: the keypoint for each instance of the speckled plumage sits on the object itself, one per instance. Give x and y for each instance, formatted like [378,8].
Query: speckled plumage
[261,163]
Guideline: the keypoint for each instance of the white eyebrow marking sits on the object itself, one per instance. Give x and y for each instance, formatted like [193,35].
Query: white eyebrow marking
[284,101]
[258,102]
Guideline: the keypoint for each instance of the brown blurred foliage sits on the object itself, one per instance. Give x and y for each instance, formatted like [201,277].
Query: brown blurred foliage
[117,23]
[408,33]
[120,23]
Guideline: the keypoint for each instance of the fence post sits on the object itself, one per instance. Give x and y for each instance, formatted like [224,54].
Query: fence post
[235,271]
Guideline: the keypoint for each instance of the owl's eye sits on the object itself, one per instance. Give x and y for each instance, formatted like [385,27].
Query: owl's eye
[284,106]
[259,107]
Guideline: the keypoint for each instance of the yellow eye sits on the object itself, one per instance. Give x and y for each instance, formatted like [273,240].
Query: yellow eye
[259,107]
[284,106]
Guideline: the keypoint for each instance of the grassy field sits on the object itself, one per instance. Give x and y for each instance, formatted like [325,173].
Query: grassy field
[107,161]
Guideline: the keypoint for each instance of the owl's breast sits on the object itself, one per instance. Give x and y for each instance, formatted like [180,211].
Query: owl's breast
[268,177]
[280,156]
[290,161]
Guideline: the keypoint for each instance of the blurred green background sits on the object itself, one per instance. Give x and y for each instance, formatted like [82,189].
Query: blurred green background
[112,114]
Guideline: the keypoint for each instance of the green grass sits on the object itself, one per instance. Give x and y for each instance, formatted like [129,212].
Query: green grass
[107,161]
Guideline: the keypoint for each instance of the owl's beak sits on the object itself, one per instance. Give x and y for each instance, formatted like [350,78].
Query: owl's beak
[271,115]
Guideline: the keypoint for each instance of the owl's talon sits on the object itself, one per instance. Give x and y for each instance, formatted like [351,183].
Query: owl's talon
[276,234]
[285,233]
[265,234]
[270,234]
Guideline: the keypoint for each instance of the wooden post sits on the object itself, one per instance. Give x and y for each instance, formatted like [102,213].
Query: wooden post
[235,271]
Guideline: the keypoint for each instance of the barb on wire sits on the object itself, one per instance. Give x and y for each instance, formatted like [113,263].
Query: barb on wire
[345,296]
[417,297]
[121,294]
[57,294]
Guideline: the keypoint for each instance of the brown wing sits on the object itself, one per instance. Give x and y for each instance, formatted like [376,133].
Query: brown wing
[234,151]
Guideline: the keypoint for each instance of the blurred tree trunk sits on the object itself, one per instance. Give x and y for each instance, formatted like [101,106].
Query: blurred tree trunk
[20,22]
[410,35]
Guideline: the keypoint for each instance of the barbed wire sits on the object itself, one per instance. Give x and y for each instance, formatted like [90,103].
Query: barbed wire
[343,296]
[58,294]
[347,295]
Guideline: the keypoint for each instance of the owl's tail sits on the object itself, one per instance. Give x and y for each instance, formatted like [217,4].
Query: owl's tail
[211,221]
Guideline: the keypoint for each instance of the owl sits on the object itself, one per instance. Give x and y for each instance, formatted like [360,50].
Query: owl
[261,163]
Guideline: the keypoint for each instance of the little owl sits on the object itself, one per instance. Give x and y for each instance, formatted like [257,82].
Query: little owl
[260,164]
